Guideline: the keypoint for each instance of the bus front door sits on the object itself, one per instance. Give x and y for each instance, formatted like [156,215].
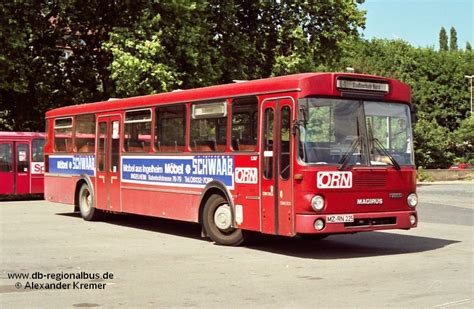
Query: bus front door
[276,153]
[7,177]
[108,163]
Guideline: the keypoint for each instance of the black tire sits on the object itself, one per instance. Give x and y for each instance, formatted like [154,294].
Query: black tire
[227,237]
[86,201]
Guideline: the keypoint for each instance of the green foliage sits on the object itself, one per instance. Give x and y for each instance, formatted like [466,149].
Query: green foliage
[439,90]
[30,66]
[432,144]
[311,36]
[463,138]
[139,65]
[213,42]
[6,122]
[57,53]
[422,176]
[443,40]
[298,59]
[35,72]
[86,26]
[186,34]
[453,39]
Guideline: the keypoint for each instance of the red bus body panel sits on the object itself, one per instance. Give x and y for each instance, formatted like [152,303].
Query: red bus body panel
[24,175]
[275,206]
[302,85]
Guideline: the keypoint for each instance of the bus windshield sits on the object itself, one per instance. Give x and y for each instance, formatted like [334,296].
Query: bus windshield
[340,132]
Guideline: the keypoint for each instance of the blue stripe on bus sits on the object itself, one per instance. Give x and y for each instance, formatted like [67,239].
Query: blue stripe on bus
[72,164]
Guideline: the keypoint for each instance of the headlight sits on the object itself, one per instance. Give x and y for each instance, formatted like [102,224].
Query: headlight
[412,200]
[317,203]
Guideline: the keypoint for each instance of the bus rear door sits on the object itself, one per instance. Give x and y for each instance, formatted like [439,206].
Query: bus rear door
[276,151]
[108,163]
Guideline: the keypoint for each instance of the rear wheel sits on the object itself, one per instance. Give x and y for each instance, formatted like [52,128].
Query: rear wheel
[86,204]
[217,222]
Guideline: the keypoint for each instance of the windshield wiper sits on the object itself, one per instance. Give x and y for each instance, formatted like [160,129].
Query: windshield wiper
[348,154]
[385,152]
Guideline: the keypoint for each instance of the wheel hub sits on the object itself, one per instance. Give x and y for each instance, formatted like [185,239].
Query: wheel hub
[223,217]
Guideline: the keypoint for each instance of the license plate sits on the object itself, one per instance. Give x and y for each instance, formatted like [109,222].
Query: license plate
[339,218]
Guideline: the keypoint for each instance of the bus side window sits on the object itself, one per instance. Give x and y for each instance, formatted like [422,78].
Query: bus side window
[209,127]
[137,131]
[244,124]
[268,144]
[6,158]
[84,136]
[63,134]
[102,146]
[37,148]
[170,128]
[285,135]
[23,161]
[115,146]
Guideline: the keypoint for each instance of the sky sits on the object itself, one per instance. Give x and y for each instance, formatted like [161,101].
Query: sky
[419,21]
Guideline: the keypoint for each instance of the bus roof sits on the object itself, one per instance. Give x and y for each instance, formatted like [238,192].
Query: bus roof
[307,84]
[15,135]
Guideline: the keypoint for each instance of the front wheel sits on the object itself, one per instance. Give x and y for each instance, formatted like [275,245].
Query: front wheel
[217,222]
[86,204]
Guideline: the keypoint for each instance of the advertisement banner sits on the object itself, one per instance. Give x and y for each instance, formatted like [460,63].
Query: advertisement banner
[72,165]
[181,171]
[37,167]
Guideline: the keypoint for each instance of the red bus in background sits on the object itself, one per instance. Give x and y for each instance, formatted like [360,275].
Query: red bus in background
[21,163]
[306,154]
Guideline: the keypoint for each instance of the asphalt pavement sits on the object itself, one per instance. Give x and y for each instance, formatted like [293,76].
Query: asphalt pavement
[133,262]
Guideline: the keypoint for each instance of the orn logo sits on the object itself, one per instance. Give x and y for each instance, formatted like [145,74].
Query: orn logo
[334,180]
[246,175]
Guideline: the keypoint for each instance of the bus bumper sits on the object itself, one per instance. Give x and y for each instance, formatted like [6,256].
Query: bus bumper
[305,224]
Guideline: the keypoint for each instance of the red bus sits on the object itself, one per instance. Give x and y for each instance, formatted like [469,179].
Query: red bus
[305,154]
[21,163]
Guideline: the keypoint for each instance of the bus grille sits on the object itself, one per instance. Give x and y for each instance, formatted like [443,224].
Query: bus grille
[363,181]
[371,222]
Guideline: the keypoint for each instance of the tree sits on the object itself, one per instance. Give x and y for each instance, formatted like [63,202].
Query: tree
[438,92]
[30,63]
[468,46]
[139,65]
[443,40]
[464,141]
[432,147]
[453,40]
[390,58]
[256,39]
[85,27]
[312,35]
[186,33]
[35,72]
